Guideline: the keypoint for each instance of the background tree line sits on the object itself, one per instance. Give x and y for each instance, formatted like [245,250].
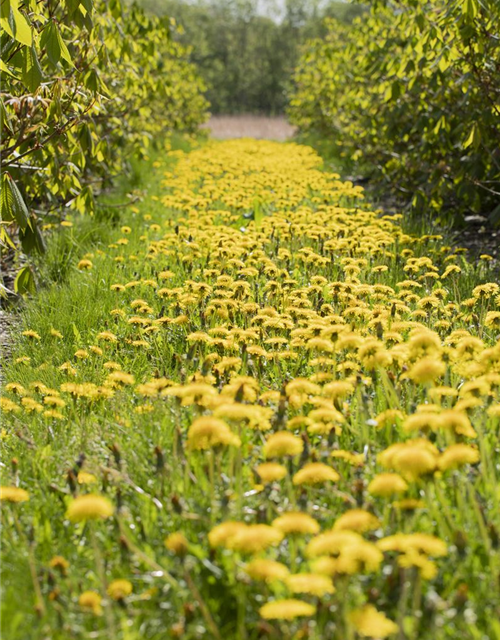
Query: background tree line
[246,52]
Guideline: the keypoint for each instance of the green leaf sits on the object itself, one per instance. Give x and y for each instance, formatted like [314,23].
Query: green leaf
[14,23]
[4,119]
[65,54]
[469,9]
[22,28]
[474,137]
[91,81]
[6,240]
[76,333]
[32,73]
[495,216]
[53,43]
[25,281]
[32,240]
[5,69]
[6,18]
[12,205]
[50,42]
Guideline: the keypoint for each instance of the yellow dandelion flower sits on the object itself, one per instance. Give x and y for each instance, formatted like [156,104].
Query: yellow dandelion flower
[457,455]
[29,333]
[389,418]
[13,494]
[411,459]
[84,265]
[414,542]
[254,538]
[426,370]
[282,443]
[331,543]
[177,543]
[120,377]
[286,609]
[354,459]
[311,583]
[89,507]
[408,504]
[266,570]
[356,520]
[315,473]
[119,589]
[387,484]
[427,568]
[370,623]
[324,565]
[91,601]
[59,562]
[271,472]
[457,422]
[296,522]
[222,533]
[86,478]
[208,432]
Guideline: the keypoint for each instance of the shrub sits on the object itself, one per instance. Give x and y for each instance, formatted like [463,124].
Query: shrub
[411,93]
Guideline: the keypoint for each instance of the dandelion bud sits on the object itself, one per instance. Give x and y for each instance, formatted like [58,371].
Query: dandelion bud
[115,450]
[176,503]
[160,459]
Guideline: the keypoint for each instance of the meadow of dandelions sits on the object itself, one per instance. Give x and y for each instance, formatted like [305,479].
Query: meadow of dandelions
[263,411]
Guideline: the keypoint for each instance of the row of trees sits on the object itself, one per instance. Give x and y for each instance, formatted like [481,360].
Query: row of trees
[410,93]
[84,84]
[244,54]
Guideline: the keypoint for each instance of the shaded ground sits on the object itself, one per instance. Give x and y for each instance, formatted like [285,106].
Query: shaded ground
[250,126]
[479,237]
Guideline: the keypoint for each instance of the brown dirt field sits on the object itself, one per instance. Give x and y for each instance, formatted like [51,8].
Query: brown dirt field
[250,126]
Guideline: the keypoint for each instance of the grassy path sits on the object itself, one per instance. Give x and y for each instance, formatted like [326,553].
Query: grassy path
[258,410]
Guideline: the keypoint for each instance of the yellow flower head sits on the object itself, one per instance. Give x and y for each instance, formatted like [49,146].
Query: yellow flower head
[370,623]
[296,522]
[271,472]
[222,533]
[266,570]
[119,589]
[356,520]
[89,507]
[331,543]
[282,443]
[177,543]
[315,473]
[387,484]
[91,601]
[458,455]
[207,432]
[255,538]
[287,609]
[311,583]
[13,494]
